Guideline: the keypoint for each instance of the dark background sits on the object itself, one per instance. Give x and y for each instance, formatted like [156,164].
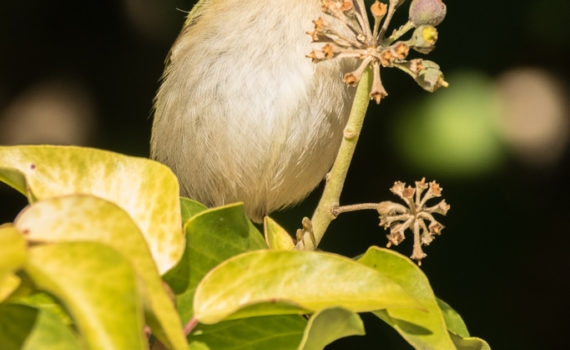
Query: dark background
[77,72]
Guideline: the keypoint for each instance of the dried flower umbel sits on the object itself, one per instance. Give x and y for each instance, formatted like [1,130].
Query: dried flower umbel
[415,216]
[372,47]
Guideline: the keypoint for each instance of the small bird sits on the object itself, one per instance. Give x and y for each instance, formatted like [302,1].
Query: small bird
[242,114]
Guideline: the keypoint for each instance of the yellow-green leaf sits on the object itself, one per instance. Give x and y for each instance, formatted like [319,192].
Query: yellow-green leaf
[453,320]
[99,288]
[26,328]
[145,189]
[212,236]
[423,330]
[12,249]
[189,208]
[310,280]
[44,301]
[283,332]
[14,179]
[329,325]
[276,236]
[8,284]
[458,330]
[88,218]
[469,343]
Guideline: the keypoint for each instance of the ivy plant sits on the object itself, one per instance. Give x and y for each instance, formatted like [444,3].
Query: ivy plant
[106,255]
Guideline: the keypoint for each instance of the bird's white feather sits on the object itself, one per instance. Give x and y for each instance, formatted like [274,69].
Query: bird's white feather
[242,114]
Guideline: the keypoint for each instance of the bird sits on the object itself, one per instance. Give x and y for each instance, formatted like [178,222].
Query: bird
[242,114]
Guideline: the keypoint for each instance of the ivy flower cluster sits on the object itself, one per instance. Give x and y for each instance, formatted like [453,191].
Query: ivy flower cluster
[371,46]
[415,216]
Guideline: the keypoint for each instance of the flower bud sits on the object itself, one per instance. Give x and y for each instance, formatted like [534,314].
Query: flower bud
[430,77]
[424,38]
[430,12]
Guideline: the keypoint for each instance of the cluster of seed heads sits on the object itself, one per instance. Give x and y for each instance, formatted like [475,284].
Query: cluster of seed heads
[370,45]
[415,216]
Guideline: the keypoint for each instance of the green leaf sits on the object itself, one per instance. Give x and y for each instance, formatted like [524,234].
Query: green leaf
[469,343]
[12,249]
[99,288]
[88,218]
[14,179]
[189,208]
[256,333]
[8,284]
[24,290]
[308,280]
[25,328]
[329,325]
[276,236]
[44,301]
[423,330]
[145,189]
[12,257]
[212,236]
[458,330]
[453,320]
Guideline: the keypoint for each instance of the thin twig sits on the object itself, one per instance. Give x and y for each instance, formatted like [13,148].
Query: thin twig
[354,207]
[189,327]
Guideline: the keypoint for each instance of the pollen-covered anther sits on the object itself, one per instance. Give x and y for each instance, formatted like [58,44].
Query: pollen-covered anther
[316,55]
[398,188]
[421,185]
[328,50]
[435,189]
[387,58]
[352,78]
[395,237]
[408,192]
[416,65]
[378,10]
[435,228]
[346,5]
[377,93]
[319,24]
[402,50]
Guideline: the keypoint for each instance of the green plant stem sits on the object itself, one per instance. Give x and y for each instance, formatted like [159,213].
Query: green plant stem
[323,215]
[398,33]
[189,327]
[354,207]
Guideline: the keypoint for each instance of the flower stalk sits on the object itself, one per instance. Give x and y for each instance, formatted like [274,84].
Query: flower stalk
[309,237]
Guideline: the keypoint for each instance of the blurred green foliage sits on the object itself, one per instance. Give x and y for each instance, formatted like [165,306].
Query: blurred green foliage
[454,132]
